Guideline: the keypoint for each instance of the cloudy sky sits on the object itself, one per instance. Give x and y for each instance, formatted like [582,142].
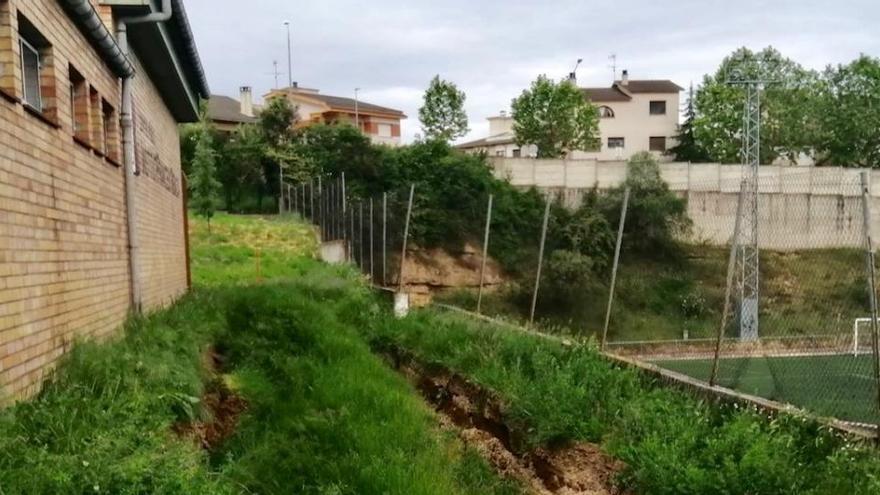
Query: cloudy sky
[492,49]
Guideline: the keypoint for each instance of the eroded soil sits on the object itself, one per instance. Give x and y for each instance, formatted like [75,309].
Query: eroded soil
[476,416]
[220,407]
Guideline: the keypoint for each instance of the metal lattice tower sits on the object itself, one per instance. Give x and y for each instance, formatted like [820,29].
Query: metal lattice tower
[749,265]
[748,270]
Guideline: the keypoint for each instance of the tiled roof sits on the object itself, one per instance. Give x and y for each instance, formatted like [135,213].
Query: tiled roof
[347,104]
[226,109]
[652,86]
[605,94]
[621,92]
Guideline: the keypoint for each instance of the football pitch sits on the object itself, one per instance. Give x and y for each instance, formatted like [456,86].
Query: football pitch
[840,385]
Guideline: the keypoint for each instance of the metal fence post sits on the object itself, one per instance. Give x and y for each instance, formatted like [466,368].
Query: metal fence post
[731,268]
[351,237]
[372,271]
[303,200]
[280,189]
[614,266]
[294,205]
[384,239]
[872,282]
[400,278]
[343,193]
[321,208]
[312,199]
[485,253]
[361,235]
[540,262]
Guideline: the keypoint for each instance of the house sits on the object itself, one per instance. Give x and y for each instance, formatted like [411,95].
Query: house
[92,199]
[381,124]
[227,113]
[634,116]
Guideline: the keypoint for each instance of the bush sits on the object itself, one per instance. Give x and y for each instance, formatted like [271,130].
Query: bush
[568,276]
[656,218]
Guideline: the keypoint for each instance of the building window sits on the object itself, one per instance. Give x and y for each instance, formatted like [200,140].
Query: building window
[30,75]
[606,112]
[499,153]
[517,153]
[38,88]
[657,144]
[616,142]
[79,105]
[96,126]
[384,130]
[111,131]
[658,107]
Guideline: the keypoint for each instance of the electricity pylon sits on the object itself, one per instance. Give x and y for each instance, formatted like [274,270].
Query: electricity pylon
[748,264]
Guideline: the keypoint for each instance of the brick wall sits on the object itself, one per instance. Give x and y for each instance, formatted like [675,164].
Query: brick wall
[64,267]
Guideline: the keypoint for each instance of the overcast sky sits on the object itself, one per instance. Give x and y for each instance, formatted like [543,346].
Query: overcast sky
[493,49]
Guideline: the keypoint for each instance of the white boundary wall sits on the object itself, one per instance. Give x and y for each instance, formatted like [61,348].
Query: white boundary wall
[800,208]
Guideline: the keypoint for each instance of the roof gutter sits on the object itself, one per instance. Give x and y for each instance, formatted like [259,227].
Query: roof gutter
[128,153]
[192,52]
[83,12]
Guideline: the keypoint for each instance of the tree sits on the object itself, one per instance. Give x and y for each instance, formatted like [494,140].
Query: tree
[849,110]
[332,149]
[277,120]
[204,186]
[688,149]
[282,156]
[240,166]
[788,127]
[443,116]
[555,117]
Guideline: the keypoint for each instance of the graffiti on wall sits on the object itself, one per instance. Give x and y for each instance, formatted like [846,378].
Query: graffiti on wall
[149,162]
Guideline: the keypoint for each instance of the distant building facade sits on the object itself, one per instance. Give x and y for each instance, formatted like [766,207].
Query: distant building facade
[634,116]
[227,113]
[380,124]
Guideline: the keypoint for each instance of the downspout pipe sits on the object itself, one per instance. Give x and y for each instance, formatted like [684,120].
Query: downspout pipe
[131,171]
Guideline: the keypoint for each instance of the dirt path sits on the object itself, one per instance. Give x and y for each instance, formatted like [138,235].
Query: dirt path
[476,416]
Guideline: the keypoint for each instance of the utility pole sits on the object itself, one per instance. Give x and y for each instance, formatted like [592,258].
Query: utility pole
[289,58]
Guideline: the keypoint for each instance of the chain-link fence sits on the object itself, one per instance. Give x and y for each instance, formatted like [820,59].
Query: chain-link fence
[370,230]
[773,298]
[766,292]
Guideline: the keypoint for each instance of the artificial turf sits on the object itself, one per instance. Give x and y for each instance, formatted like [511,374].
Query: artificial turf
[839,385]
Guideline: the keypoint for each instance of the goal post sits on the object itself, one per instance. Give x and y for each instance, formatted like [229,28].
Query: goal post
[857,323]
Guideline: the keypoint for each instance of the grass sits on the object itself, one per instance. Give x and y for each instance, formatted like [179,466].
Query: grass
[324,416]
[102,424]
[803,293]
[234,249]
[840,386]
[671,442]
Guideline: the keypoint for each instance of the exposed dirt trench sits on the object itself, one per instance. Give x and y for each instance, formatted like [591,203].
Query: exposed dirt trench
[478,418]
[221,408]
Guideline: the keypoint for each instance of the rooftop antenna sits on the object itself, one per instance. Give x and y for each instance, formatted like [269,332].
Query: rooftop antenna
[275,73]
[747,72]
[613,66]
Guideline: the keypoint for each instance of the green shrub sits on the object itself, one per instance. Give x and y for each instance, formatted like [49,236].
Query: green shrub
[656,218]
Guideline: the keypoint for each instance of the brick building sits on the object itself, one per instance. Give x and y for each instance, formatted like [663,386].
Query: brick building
[92,220]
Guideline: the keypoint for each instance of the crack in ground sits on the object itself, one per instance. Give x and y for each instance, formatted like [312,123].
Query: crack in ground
[477,416]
